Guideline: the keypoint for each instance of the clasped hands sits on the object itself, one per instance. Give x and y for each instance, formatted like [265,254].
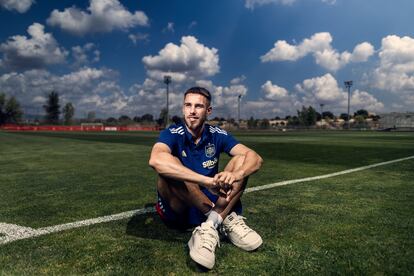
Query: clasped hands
[227,184]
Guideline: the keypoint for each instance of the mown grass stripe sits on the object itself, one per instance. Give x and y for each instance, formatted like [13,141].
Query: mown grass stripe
[77,224]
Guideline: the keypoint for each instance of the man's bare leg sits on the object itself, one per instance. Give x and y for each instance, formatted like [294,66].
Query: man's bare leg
[234,226]
[182,195]
[222,206]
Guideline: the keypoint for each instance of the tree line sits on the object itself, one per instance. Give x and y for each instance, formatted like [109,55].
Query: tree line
[11,113]
[10,110]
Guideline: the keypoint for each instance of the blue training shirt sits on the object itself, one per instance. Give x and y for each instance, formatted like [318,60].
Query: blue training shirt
[202,158]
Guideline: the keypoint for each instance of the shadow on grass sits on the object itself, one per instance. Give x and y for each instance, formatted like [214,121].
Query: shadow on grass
[150,226]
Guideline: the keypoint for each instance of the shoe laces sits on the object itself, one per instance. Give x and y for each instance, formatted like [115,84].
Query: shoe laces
[239,226]
[208,236]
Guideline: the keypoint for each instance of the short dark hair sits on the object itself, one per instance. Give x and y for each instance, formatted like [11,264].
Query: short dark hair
[199,90]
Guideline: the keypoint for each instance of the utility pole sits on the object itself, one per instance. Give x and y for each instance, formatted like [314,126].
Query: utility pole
[167,81]
[348,85]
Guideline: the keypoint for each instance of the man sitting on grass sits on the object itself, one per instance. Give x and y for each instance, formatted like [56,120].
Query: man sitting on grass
[191,191]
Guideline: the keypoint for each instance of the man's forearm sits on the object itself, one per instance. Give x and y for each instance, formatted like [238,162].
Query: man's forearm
[252,163]
[169,166]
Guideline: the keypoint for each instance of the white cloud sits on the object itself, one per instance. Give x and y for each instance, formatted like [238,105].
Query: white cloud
[89,89]
[20,6]
[260,109]
[319,45]
[273,91]
[364,100]
[188,61]
[395,72]
[225,102]
[135,38]
[276,101]
[362,52]
[83,77]
[102,16]
[169,28]
[251,4]
[81,54]
[238,80]
[185,63]
[153,94]
[21,52]
[224,98]
[325,90]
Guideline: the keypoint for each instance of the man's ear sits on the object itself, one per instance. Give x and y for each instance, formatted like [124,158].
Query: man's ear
[209,110]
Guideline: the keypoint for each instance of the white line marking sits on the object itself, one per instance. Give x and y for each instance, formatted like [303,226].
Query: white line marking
[287,182]
[15,232]
[15,236]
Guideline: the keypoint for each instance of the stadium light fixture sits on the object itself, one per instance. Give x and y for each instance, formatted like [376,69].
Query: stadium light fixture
[238,108]
[167,81]
[348,85]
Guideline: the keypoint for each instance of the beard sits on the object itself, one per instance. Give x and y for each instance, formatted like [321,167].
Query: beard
[194,124]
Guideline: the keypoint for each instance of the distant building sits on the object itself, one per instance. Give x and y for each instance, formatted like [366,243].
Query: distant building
[402,121]
[278,123]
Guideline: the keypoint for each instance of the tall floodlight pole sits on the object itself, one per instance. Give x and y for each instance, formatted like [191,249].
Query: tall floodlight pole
[321,105]
[348,85]
[238,108]
[167,81]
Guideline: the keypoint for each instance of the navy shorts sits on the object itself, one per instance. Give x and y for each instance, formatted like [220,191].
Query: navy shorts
[191,218]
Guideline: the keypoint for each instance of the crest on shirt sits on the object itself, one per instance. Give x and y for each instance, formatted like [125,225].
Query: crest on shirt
[210,150]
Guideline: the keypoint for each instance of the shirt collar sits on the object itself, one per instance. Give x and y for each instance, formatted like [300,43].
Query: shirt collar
[204,134]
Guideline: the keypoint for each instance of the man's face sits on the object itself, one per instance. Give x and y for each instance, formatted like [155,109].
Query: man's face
[195,110]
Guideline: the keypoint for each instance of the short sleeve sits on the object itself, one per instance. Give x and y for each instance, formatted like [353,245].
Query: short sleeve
[167,138]
[228,143]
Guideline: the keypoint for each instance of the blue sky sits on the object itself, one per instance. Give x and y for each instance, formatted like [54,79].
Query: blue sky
[110,56]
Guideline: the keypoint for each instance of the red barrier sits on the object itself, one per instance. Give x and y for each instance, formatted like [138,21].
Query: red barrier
[88,128]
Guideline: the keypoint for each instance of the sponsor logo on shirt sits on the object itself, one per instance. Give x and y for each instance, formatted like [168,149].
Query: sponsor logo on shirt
[210,163]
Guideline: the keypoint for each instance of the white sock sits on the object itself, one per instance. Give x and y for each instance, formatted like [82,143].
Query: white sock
[208,213]
[215,218]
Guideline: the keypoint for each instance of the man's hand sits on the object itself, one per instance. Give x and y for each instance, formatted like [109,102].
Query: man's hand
[214,188]
[229,183]
[225,179]
[236,188]
[218,191]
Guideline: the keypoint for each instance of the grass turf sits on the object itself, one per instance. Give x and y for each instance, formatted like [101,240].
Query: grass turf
[359,223]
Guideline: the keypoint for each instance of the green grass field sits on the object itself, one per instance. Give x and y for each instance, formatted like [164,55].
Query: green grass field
[358,223]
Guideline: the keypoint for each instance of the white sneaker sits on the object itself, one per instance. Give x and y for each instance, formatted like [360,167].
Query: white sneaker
[203,243]
[241,235]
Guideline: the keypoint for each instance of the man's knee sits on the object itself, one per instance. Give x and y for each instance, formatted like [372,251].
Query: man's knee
[165,188]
